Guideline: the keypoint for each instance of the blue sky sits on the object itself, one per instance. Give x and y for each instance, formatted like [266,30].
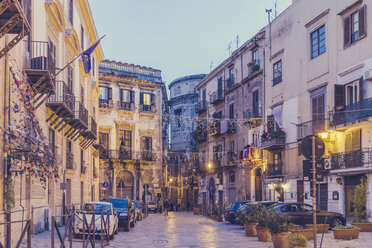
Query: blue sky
[178,37]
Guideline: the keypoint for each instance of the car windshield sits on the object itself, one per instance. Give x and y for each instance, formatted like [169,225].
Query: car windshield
[119,203]
[236,206]
[97,208]
[136,203]
[152,203]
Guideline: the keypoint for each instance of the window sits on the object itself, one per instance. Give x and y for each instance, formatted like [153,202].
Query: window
[353,141]
[178,114]
[105,93]
[71,12]
[82,95]
[355,26]
[82,169]
[204,97]
[352,92]
[104,139]
[125,139]
[277,72]
[146,99]
[255,58]
[277,158]
[219,87]
[255,104]
[146,143]
[230,83]
[318,45]
[82,37]
[126,96]
[231,112]
[231,177]
[70,77]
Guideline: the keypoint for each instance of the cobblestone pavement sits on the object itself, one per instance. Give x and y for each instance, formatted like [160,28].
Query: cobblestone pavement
[183,229]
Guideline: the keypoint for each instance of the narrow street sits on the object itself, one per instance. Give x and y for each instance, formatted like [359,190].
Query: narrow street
[182,229]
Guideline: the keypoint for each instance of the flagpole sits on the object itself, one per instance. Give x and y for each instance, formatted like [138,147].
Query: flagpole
[74,59]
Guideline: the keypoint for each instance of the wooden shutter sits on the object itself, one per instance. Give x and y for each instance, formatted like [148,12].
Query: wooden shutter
[141,98]
[270,123]
[362,22]
[339,97]
[109,90]
[361,90]
[348,142]
[132,96]
[152,99]
[356,142]
[121,95]
[347,31]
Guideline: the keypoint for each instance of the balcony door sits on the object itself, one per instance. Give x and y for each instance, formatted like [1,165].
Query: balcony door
[125,147]
[318,110]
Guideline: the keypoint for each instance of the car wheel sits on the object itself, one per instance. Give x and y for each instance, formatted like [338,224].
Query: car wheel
[336,222]
[126,226]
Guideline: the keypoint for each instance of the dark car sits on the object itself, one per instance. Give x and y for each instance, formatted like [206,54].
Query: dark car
[302,214]
[230,212]
[245,208]
[125,212]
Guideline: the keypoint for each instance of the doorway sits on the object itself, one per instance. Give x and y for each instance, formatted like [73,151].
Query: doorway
[125,184]
[300,191]
[258,185]
[350,184]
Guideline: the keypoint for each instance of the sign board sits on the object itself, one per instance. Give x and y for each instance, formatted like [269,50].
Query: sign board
[63,186]
[157,191]
[307,147]
[156,185]
[308,172]
[195,188]
[105,185]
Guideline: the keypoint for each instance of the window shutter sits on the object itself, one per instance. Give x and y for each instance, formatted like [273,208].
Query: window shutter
[356,139]
[141,98]
[132,96]
[109,90]
[152,99]
[150,144]
[347,31]
[270,123]
[348,143]
[121,95]
[362,22]
[339,97]
[361,90]
[143,143]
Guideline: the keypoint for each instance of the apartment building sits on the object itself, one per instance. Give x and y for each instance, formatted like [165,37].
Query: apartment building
[182,105]
[50,160]
[318,82]
[230,122]
[132,129]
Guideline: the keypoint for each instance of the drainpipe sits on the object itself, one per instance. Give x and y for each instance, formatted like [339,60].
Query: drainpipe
[264,111]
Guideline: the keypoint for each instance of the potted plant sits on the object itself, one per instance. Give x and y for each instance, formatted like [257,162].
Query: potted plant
[346,232]
[360,215]
[278,226]
[196,209]
[263,233]
[297,240]
[250,220]
[320,228]
[307,232]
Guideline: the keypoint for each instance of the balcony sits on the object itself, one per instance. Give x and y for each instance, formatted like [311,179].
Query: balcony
[126,106]
[353,113]
[147,108]
[277,80]
[231,127]
[62,102]
[214,128]
[274,170]
[147,155]
[311,128]
[123,154]
[200,135]
[81,116]
[202,106]
[253,66]
[216,97]
[229,83]
[13,20]
[273,140]
[91,132]
[361,159]
[106,104]
[232,158]
[40,68]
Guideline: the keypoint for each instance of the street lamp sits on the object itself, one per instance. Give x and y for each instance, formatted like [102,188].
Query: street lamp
[209,165]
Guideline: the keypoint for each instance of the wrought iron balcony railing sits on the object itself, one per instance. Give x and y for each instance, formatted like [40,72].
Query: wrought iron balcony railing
[147,108]
[105,103]
[232,157]
[254,66]
[147,155]
[353,159]
[81,113]
[351,113]
[311,128]
[216,97]
[62,99]
[128,106]
[202,106]
[274,170]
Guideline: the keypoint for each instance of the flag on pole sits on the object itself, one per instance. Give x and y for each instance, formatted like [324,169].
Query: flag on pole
[86,56]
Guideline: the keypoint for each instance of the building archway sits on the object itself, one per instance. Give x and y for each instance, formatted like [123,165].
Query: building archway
[125,184]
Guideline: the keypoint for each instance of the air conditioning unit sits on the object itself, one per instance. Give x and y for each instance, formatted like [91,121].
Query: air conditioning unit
[327,164]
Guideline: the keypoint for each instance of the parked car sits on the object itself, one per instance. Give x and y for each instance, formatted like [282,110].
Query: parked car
[230,212]
[302,214]
[125,211]
[138,210]
[152,206]
[96,208]
[244,208]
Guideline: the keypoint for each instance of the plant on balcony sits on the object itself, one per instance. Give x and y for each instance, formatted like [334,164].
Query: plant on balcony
[266,136]
[360,214]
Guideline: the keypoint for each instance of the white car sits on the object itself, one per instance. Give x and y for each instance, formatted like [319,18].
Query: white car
[96,208]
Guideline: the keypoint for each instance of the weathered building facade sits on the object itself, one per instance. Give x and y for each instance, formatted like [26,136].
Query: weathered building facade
[230,117]
[131,129]
[49,109]
[182,105]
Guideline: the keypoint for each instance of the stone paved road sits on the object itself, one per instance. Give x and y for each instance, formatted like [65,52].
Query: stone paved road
[182,229]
